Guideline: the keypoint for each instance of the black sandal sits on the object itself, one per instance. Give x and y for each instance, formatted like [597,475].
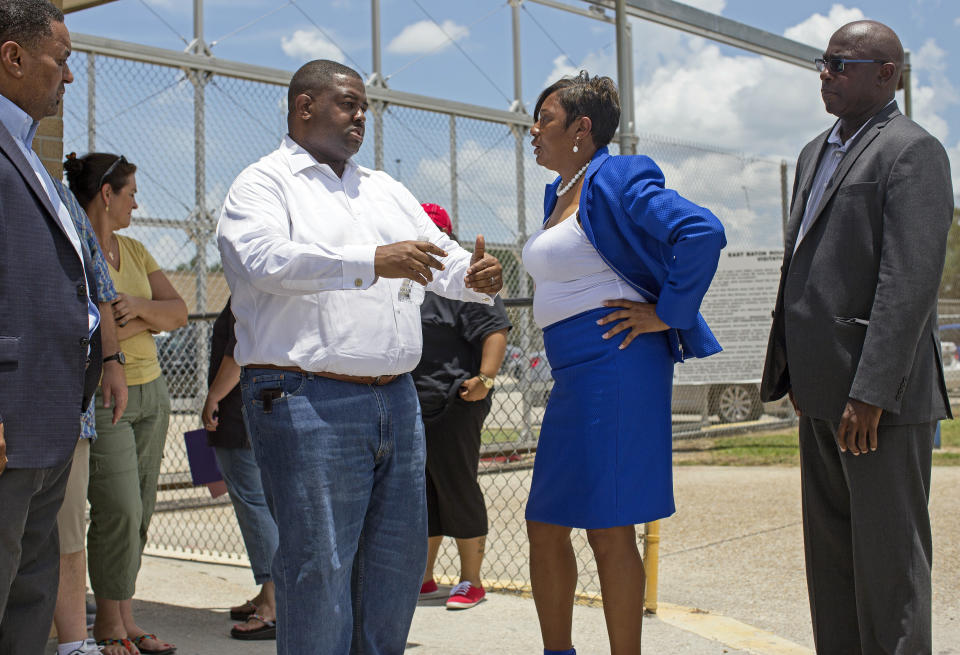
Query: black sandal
[267,631]
[241,613]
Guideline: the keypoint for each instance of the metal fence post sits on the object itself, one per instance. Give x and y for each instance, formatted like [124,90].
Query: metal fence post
[784,198]
[628,141]
[523,286]
[376,80]
[91,102]
[202,230]
[454,196]
[906,76]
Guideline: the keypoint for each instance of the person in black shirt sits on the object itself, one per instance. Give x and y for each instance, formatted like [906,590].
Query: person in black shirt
[223,419]
[463,348]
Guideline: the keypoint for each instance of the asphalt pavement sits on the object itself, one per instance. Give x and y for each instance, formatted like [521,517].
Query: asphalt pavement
[731,581]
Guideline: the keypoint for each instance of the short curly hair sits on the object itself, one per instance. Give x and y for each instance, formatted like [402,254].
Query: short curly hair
[27,22]
[594,97]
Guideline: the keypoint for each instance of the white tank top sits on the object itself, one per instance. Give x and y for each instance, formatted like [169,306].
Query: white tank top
[569,274]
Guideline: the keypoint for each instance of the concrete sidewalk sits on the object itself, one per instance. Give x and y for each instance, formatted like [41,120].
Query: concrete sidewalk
[731,581]
[186,603]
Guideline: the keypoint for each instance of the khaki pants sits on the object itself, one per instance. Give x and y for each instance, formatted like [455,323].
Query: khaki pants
[72,520]
[124,467]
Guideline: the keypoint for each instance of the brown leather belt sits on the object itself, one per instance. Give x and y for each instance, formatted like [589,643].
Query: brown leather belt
[378,380]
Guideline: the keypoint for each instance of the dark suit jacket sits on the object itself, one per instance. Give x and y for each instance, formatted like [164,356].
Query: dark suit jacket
[856,313]
[45,382]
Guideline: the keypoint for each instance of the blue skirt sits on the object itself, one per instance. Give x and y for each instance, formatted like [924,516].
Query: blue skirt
[604,455]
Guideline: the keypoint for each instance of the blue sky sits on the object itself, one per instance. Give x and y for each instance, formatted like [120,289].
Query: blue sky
[686,88]
[714,80]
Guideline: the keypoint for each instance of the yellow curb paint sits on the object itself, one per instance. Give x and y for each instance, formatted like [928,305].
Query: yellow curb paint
[727,631]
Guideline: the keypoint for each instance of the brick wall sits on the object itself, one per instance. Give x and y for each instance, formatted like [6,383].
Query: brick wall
[48,143]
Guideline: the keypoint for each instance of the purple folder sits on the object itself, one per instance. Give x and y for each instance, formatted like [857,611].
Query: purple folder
[203,463]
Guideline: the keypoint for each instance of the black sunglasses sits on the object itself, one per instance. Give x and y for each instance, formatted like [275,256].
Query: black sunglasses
[103,178]
[836,64]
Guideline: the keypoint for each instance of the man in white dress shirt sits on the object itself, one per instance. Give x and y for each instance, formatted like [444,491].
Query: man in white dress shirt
[325,260]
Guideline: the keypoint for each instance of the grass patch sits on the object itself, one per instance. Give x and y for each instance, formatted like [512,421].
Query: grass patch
[782,449]
[766,449]
[499,435]
[757,449]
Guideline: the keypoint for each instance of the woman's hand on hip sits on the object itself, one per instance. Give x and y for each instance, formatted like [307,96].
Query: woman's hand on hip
[638,317]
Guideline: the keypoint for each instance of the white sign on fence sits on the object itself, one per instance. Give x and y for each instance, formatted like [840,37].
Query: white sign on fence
[737,308]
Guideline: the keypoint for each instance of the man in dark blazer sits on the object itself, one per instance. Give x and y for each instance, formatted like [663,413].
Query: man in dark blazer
[854,342]
[50,358]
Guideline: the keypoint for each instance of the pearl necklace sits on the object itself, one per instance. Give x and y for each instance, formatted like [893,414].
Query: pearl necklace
[569,185]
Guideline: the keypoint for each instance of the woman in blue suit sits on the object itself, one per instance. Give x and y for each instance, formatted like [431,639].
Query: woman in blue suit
[621,266]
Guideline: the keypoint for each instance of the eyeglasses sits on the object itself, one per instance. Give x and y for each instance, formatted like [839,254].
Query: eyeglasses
[103,178]
[836,64]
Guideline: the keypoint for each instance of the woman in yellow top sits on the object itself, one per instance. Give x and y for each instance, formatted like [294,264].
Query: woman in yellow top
[125,458]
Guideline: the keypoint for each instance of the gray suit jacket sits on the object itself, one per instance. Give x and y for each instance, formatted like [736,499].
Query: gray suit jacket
[856,313]
[44,378]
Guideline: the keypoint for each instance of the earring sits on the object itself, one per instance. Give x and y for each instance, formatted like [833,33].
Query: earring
[576,146]
[107,207]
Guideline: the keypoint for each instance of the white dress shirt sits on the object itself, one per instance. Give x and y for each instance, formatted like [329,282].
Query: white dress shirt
[298,243]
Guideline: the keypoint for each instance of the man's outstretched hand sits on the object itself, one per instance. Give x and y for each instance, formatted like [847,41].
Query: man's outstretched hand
[485,273]
[408,259]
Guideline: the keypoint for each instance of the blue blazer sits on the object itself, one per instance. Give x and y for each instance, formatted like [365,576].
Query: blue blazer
[661,244]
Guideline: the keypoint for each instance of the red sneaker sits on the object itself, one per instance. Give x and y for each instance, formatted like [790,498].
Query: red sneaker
[465,596]
[428,587]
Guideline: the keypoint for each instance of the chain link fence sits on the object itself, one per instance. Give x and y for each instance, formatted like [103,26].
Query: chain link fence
[190,133]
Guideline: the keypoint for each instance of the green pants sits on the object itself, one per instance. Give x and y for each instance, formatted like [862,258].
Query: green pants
[124,467]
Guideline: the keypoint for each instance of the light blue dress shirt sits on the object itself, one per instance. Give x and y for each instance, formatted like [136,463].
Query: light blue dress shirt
[833,153]
[23,128]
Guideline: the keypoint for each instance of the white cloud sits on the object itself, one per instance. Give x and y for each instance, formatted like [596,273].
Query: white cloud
[930,57]
[933,92]
[426,36]
[713,6]
[310,44]
[818,29]
[595,63]
[954,154]
[741,102]
[956,21]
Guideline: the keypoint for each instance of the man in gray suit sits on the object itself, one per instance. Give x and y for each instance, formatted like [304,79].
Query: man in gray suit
[50,356]
[854,342]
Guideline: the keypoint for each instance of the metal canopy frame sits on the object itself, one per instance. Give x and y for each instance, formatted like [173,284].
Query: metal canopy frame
[716,28]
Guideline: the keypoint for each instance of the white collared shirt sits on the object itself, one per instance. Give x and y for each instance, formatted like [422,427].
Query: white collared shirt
[298,243]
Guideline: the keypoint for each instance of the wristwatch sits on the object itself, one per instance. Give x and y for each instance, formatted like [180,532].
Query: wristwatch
[486,380]
[117,356]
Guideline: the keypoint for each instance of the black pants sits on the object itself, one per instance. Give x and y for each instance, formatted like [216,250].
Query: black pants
[867,539]
[455,504]
[29,554]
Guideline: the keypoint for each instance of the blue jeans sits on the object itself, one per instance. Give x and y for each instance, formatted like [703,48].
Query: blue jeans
[343,471]
[259,530]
